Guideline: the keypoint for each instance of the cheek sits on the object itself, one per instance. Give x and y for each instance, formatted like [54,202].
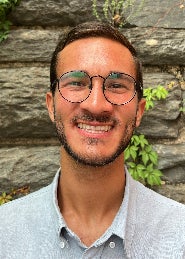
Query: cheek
[129,113]
[63,110]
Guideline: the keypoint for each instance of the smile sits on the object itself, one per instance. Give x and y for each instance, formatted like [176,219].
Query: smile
[94,129]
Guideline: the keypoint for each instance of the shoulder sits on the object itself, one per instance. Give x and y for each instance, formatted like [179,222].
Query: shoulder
[156,224]
[38,201]
[159,215]
[158,209]
[30,205]
[157,201]
[29,226]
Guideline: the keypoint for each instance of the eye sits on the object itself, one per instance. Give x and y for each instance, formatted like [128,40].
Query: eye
[118,87]
[75,83]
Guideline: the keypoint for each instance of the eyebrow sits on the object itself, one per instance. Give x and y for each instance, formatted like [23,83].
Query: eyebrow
[77,73]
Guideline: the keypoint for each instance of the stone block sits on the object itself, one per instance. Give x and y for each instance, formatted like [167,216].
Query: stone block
[29,45]
[23,110]
[152,127]
[161,47]
[172,191]
[167,109]
[175,175]
[27,166]
[170,155]
[62,13]
[52,13]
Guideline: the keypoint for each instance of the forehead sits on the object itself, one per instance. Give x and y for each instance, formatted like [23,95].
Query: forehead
[95,55]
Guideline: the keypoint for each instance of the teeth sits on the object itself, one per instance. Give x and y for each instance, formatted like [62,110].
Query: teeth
[96,129]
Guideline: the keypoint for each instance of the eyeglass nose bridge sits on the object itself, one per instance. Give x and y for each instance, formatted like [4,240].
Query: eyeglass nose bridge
[103,84]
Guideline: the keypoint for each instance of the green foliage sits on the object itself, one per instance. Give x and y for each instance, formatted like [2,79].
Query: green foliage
[117,12]
[140,156]
[6,7]
[153,94]
[6,197]
[142,161]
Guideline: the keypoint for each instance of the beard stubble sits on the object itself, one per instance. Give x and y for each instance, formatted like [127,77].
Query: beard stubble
[96,160]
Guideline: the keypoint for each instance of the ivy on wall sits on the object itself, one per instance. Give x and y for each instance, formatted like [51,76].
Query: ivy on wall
[6,6]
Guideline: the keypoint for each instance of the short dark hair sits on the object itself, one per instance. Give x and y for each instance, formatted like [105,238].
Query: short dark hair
[95,29]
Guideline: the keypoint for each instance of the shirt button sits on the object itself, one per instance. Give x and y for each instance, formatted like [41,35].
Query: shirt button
[112,245]
[62,244]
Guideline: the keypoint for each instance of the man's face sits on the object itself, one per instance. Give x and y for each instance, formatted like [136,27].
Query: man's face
[94,132]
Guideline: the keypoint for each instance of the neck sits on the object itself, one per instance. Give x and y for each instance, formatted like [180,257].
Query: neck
[81,187]
[91,196]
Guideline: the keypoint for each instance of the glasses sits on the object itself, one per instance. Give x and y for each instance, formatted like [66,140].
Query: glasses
[76,86]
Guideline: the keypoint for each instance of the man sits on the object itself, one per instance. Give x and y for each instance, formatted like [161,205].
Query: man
[93,208]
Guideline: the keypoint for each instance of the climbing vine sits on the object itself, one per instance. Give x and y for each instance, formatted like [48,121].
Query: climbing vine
[140,156]
[117,12]
[6,6]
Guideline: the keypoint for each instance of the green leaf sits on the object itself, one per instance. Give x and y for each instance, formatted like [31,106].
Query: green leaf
[126,154]
[135,140]
[152,94]
[133,152]
[148,148]
[143,140]
[145,158]
[131,165]
[6,7]
[150,167]
[153,180]
[135,175]
[149,105]
[153,157]
[140,170]
[5,198]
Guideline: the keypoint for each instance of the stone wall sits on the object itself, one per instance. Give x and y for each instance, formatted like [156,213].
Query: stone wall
[29,150]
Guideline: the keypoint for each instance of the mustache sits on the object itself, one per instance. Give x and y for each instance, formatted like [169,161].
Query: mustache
[95,118]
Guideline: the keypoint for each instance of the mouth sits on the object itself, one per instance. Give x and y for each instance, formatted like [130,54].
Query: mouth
[93,128]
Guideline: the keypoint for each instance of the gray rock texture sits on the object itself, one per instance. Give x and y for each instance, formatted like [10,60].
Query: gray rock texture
[28,166]
[29,150]
[159,47]
[175,192]
[168,14]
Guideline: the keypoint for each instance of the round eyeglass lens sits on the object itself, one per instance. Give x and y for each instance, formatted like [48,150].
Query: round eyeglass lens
[119,88]
[74,86]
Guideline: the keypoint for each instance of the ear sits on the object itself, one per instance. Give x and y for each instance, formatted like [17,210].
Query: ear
[50,105]
[140,111]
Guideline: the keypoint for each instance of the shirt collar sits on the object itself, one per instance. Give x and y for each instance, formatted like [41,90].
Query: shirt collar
[119,224]
[59,220]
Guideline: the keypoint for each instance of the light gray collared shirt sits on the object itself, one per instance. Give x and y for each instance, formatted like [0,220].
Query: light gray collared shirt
[38,230]
[147,226]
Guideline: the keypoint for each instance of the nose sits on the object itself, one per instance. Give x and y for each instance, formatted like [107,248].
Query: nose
[96,103]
